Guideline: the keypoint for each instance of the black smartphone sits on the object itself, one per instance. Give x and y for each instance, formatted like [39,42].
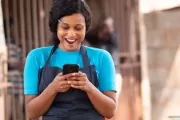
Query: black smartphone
[70,68]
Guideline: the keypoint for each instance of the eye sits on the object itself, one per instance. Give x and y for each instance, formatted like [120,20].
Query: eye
[65,27]
[78,29]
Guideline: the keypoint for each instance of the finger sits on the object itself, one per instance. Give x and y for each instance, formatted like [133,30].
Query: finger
[76,82]
[77,87]
[59,74]
[63,83]
[69,75]
[61,78]
[73,78]
[75,74]
[78,74]
[66,86]
[81,74]
[82,79]
[79,78]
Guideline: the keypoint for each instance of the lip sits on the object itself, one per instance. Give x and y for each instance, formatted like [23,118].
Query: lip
[70,40]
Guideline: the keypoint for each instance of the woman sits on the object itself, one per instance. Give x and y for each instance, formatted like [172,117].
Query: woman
[86,95]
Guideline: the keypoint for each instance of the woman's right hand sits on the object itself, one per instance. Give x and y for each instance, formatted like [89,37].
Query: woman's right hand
[60,83]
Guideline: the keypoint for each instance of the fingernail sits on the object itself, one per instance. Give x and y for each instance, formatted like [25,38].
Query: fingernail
[74,73]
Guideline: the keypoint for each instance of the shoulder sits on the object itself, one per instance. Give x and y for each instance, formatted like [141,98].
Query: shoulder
[98,56]
[97,51]
[40,51]
[38,56]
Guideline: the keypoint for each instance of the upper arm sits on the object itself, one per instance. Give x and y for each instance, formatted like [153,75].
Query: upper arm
[31,70]
[106,77]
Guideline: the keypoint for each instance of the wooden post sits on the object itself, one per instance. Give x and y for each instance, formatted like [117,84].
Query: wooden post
[3,68]
[145,84]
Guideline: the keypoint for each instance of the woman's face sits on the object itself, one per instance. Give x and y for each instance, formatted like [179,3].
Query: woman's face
[71,32]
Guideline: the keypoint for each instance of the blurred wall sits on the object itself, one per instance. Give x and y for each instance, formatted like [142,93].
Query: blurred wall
[163,44]
[96,7]
[153,5]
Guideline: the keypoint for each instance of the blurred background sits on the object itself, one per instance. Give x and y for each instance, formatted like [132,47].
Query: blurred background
[143,37]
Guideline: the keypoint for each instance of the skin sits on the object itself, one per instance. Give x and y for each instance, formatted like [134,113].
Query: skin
[72,27]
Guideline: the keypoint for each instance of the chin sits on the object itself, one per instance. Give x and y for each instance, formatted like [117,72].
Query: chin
[71,48]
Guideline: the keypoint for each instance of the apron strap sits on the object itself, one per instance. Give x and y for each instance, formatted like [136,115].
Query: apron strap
[49,57]
[85,59]
[45,66]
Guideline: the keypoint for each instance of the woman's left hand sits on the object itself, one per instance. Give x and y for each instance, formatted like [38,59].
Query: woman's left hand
[80,81]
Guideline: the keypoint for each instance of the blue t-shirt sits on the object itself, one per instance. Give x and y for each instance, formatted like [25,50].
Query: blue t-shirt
[36,59]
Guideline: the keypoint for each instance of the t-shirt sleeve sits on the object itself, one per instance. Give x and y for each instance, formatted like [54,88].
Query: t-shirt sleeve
[107,73]
[31,74]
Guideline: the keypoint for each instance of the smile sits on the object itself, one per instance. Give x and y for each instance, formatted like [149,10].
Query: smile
[70,41]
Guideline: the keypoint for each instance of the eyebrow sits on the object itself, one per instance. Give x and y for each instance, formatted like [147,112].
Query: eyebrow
[67,23]
[80,24]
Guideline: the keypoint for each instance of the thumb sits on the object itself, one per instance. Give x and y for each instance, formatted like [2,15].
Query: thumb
[59,74]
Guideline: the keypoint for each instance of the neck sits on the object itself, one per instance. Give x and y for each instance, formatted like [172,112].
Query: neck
[61,46]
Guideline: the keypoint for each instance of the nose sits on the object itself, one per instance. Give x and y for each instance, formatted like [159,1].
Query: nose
[71,33]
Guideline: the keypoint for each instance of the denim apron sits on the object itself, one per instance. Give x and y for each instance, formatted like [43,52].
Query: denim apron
[73,104]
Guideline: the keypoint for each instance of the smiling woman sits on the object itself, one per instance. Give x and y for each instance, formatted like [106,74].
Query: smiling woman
[88,94]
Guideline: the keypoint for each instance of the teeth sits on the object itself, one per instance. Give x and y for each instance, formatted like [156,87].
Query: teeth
[70,40]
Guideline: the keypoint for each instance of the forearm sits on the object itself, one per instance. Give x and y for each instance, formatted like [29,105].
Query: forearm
[102,103]
[39,105]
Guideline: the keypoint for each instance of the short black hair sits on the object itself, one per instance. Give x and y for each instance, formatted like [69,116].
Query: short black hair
[61,8]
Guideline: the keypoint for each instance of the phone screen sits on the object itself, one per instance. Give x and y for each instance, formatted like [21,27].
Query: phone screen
[70,68]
